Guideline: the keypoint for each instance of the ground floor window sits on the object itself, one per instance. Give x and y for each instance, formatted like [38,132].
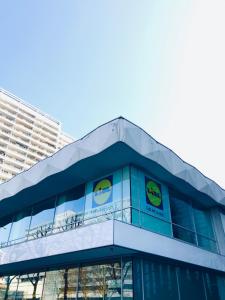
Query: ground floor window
[139,278]
[110,280]
[155,280]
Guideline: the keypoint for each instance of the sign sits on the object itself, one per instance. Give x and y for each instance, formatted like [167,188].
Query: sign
[102,192]
[153,198]
[153,193]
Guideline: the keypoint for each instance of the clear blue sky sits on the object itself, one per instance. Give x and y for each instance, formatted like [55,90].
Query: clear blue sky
[86,62]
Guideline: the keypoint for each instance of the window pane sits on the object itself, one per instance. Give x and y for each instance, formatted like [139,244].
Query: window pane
[184,234]
[104,199]
[70,284]
[203,222]
[221,286]
[20,226]
[137,279]
[42,219]
[211,286]
[100,282]
[159,281]
[30,286]
[204,229]
[54,285]
[191,284]
[182,215]
[154,224]
[127,280]
[207,243]
[61,284]
[181,212]
[5,226]
[69,210]
[8,287]
[126,187]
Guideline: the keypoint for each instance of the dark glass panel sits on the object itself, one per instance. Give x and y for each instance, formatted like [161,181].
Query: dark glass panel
[191,284]
[137,279]
[204,229]
[211,286]
[184,234]
[182,215]
[159,281]
[221,286]
[207,243]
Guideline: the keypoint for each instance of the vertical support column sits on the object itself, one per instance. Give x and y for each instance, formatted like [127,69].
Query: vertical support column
[138,288]
[218,229]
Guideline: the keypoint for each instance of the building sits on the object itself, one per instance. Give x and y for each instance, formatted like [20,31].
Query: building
[114,215]
[27,135]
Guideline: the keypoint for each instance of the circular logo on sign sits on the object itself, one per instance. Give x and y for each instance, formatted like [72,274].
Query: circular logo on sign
[153,193]
[102,191]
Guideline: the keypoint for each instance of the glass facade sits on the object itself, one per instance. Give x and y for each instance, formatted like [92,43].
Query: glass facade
[157,208]
[192,223]
[140,278]
[99,200]
[109,280]
[42,219]
[127,195]
[156,280]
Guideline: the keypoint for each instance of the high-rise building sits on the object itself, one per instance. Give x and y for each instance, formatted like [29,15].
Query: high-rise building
[113,216]
[27,135]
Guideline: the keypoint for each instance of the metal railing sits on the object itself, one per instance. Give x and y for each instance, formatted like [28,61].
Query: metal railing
[128,215]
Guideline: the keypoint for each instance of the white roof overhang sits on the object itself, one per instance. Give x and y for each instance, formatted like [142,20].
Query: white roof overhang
[108,147]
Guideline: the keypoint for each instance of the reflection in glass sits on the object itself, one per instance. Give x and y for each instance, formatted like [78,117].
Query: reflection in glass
[69,210]
[30,286]
[8,287]
[5,226]
[127,281]
[204,229]
[184,234]
[61,284]
[20,226]
[53,284]
[42,219]
[100,282]
[181,213]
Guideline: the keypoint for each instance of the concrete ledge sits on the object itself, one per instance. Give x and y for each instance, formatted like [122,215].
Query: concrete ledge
[138,239]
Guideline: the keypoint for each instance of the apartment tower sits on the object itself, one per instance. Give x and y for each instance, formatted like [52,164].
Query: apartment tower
[27,135]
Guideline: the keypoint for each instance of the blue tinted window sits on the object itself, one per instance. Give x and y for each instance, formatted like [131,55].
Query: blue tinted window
[5,226]
[70,209]
[20,226]
[182,219]
[42,218]
[204,229]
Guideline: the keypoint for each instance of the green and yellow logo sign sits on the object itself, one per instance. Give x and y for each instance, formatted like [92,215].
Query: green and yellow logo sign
[102,192]
[153,193]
